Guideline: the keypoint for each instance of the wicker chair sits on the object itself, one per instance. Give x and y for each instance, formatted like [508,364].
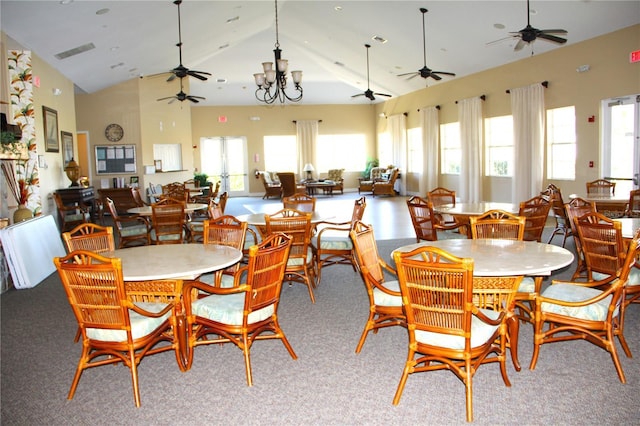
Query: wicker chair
[563,226]
[385,303]
[446,330]
[196,226]
[131,230]
[536,212]
[168,223]
[602,247]
[70,216]
[105,312]
[423,219]
[332,244]
[302,202]
[89,237]
[289,185]
[175,190]
[335,175]
[576,208]
[577,311]
[272,188]
[633,207]
[497,224]
[375,175]
[224,231]
[386,187]
[601,187]
[301,264]
[242,313]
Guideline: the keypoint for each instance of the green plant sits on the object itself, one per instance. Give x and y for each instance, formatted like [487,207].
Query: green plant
[201,178]
[7,138]
[370,164]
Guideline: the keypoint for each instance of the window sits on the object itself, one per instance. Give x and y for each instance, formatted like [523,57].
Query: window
[498,139]
[561,143]
[280,153]
[341,152]
[385,149]
[451,153]
[414,147]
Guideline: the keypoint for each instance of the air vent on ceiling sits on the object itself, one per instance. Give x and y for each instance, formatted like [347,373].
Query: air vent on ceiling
[380,39]
[75,51]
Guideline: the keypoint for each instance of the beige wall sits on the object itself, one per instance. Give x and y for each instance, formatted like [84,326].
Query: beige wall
[611,75]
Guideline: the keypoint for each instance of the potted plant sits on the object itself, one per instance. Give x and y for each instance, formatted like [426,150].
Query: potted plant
[201,178]
[370,164]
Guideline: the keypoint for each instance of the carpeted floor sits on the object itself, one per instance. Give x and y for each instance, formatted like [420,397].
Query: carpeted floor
[574,383]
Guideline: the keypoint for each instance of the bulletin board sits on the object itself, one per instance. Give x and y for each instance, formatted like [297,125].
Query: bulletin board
[115,159]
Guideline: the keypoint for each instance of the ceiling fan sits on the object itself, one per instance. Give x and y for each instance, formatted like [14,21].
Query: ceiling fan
[426,72]
[529,34]
[181,96]
[181,71]
[369,93]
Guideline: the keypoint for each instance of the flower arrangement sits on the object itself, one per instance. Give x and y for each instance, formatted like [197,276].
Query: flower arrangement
[20,181]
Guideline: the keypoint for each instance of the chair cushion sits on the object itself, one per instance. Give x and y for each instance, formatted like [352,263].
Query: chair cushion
[527,285]
[575,293]
[76,217]
[334,241]
[335,174]
[634,276]
[225,282]
[228,309]
[381,298]
[481,332]
[140,325]
[296,261]
[129,231]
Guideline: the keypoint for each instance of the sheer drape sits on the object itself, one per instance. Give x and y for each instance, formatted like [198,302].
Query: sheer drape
[470,118]
[430,122]
[527,106]
[306,137]
[397,129]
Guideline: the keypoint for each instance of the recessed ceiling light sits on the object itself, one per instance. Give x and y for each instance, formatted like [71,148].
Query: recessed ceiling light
[337,8]
[114,48]
[499,26]
[66,1]
[102,11]
[221,80]
[378,38]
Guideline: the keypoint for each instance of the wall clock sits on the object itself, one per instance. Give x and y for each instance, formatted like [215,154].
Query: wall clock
[114,132]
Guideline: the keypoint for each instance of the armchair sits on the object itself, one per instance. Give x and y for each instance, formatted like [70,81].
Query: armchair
[336,176]
[374,176]
[386,187]
[70,216]
[272,186]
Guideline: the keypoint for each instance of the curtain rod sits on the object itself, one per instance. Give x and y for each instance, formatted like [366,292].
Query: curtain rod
[406,114]
[545,84]
[483,97]
[295,121]
[436,107]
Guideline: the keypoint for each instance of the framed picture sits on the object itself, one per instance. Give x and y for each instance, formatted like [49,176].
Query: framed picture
[67,147]
[158,164]
[134,182]
[50,120]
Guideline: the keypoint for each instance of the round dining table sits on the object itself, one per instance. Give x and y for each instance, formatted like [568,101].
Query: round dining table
[257,219]
[629,226]
[463,211]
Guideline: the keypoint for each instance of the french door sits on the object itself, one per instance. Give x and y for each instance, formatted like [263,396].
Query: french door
[224,159]
[621,142]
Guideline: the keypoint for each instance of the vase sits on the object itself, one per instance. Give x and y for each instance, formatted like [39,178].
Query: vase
[22,214]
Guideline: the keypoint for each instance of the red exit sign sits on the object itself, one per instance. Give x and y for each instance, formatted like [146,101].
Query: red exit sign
[634,56]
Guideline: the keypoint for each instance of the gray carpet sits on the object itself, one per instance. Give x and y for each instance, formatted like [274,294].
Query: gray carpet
[574,383]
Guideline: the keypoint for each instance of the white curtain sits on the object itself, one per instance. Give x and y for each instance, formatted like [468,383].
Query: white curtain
[470,118]
[527,106]
[397,129]
[430,122]
[306,137]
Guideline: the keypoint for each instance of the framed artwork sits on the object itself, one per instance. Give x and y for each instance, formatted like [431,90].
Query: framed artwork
[134,181]
[50,120]
[158,164]
[67,147]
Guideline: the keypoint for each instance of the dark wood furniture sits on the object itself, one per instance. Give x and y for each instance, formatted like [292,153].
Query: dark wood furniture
[80,195]
[123,199]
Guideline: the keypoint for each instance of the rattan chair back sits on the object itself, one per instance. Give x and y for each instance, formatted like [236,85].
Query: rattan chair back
[497,224]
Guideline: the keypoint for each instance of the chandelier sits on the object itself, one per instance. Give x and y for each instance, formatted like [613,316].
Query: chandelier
[273,82]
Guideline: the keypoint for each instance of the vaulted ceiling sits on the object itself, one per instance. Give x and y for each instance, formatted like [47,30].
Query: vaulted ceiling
[325,39]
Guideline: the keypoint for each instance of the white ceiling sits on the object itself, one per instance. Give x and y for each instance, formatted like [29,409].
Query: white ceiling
[138,38]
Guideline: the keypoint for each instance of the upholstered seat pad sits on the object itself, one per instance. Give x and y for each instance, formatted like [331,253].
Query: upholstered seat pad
[228,309]
[527,285]
[381,298]
[575,293]
[140,325]
[481,332]
[634,276]
[225,282]
[129,231]
[334,240]
[297,261]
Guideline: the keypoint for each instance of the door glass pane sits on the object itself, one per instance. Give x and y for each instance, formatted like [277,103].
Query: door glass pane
[236,160]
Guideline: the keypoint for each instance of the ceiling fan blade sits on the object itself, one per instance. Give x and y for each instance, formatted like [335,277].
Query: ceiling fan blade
[382,94]
[501,40]
[200,75]
[171,77]
[553,31]
[193,99]
[407,73]
[443,73]
[519,45]
[359,94]
[168,97]
[552,38]
[415,74]
[435,76]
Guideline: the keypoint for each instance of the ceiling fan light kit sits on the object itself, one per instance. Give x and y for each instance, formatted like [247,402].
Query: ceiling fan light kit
[273,82]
